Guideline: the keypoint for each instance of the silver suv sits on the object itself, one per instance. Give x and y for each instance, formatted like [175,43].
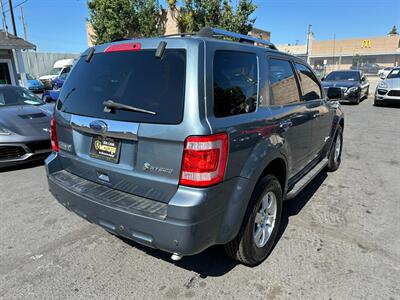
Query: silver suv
[183,142]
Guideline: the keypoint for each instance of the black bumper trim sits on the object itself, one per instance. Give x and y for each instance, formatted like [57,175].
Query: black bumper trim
[105,195]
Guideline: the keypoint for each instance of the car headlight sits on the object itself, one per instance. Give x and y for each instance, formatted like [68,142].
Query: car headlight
[4,131]
[352,89]
[383,85]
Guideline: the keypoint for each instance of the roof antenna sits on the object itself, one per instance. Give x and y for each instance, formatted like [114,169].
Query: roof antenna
[161,49]
[90,54]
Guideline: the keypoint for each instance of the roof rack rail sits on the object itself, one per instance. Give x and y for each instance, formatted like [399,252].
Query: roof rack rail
[212,32]
[182,34]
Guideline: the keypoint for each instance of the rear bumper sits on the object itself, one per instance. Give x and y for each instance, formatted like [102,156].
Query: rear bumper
[193,220]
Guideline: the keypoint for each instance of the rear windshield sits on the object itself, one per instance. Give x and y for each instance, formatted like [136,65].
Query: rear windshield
[137,79]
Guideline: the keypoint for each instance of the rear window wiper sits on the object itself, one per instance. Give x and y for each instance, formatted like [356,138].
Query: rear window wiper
[110,106]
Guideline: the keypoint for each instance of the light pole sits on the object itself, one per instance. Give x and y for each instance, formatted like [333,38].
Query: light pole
[309,32]
[4,18]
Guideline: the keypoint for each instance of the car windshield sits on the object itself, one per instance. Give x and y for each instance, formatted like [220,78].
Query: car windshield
[63,76]
[394,74]
[14,95]
[343,76]
[55,71]
[29,77]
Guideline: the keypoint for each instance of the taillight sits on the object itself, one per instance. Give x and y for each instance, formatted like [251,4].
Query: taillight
[204,160]
[53,135]
[123,47]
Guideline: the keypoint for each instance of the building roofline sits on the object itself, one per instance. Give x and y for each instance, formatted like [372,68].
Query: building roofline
[11,42]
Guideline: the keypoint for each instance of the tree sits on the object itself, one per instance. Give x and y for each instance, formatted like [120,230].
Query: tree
[393,31]
[195,14]
[115,19]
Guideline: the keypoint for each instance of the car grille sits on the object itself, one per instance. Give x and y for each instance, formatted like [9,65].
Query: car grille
[382,92]
[395,93]
[11,152]
[40,146]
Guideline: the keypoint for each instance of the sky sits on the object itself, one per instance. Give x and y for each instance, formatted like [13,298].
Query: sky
[59,25]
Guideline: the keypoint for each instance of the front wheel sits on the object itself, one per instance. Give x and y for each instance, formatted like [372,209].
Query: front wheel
[335,156]
[257,235]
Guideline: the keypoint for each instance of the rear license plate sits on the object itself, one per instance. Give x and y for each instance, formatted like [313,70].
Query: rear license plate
[105,148]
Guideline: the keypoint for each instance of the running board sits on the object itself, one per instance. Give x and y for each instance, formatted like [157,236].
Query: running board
[306,179]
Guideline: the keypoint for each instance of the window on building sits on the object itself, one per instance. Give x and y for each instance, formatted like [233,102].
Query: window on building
[282,82]
[235,83]
[309,83]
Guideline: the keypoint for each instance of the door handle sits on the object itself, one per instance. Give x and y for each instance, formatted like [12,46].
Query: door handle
[316,115]
[285,125]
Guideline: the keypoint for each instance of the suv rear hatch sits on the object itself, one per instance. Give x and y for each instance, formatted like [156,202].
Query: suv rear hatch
[104,143]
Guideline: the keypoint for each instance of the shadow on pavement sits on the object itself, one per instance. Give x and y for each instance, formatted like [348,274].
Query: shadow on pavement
[24,165]
[213,261]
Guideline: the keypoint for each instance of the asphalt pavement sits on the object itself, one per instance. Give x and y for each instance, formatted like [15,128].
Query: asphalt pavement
[340,237]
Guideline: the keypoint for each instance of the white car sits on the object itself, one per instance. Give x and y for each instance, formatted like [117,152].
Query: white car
[388,90]
[382,73]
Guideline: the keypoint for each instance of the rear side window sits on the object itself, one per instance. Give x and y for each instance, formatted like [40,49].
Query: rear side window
[235,83]
[309,84]
[282,82]
[134,78]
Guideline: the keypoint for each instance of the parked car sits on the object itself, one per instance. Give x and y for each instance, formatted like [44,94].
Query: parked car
[369,68]
[53,94]
[353,83]
[388,90]
[382,73]
[60,67]
[24,126]
[184,142]
[34,84]
[58,82]
[50,95]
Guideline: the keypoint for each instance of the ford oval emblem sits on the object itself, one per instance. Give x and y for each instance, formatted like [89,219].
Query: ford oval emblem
[98,126]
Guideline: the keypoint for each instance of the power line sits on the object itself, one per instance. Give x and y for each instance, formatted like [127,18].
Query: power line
[15,6]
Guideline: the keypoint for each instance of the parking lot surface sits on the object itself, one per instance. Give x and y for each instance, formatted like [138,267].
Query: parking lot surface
[340,237]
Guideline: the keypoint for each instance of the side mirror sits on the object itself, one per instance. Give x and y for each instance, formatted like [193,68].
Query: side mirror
[334,93]
[322,78]
[382,76]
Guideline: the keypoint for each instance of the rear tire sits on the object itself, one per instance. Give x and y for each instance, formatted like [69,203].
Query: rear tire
[251,247]
[335,156]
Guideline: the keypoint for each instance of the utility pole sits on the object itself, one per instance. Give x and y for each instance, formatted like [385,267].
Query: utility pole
[4,18]
[309,33]
[333,56]
[12,17]
[23,23]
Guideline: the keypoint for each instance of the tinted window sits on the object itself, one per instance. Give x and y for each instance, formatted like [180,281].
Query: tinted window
[309,84]
[395,73]
[343,76]
[282,82]
[136,78]
[235,83]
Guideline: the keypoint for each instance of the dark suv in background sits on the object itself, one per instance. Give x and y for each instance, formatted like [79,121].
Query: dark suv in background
[184,142]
